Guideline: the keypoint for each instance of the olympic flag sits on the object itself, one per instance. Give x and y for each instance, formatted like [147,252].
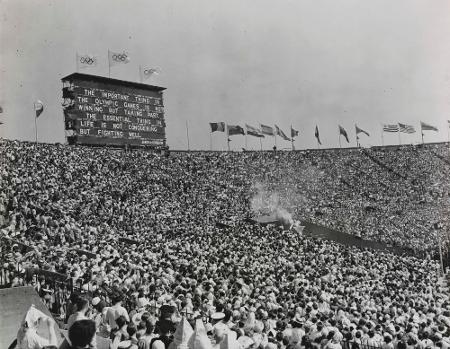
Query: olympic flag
[118,58]
[86,61]
[146,73]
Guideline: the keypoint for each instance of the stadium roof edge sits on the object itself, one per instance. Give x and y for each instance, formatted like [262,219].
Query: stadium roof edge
[117,81]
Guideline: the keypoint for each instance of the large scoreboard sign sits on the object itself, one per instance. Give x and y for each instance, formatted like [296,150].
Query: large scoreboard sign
[100,110]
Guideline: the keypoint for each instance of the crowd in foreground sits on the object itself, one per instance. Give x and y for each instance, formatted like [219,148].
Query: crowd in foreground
[148,226]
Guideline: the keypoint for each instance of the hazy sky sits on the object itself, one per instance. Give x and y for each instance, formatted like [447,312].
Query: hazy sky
[324,62]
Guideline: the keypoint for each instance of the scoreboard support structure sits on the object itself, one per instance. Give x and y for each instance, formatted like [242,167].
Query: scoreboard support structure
[100,111]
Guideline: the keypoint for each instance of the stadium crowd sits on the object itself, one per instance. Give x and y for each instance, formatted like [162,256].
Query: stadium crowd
[147,224]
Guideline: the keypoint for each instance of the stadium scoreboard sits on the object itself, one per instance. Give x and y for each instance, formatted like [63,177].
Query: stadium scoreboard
[105,111]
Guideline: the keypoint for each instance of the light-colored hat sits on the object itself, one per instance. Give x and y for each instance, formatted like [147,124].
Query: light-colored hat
[217,316]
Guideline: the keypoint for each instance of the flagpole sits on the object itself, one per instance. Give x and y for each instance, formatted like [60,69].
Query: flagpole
[421,131]
[260,142]
[109,65]
[228,138]
[35,124]
[210,141]
[187,135]
[382,136]
[140,74]
[76,60]
[340,141]
[399,137]
[292,139]
[246,141]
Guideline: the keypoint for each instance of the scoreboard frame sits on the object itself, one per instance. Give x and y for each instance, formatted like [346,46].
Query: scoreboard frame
[100,111]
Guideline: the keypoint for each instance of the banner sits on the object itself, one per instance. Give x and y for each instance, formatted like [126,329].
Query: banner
[294,133]
[427,127]
[146,73]
[404,128]
[390,128]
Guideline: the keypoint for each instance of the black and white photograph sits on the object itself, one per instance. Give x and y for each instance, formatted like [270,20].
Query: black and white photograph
[241,174]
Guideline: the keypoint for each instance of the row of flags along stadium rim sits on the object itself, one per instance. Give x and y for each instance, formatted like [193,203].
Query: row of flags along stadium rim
[114,58]
[266,130]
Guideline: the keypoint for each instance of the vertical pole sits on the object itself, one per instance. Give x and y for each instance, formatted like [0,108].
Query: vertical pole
[340,141]
[76,62]
[399,137]
[382,135]
[275,140]
[422,135]
[245,141]
[187,135]
[228,139]
[109,65]
[35,124]
[260,142]
[210,141]
[140,74]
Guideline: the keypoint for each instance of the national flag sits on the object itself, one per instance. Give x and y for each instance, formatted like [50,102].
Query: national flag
[360,130]
[316,133]
[86,61]
[344,133]
[118,57]
[1,110]
[217,126]
[294,133]
[404,128]
[280,133]
[253,131]
[146,73]
[267,130]
[235,130]
[427,127]
[38,107]
[390,128]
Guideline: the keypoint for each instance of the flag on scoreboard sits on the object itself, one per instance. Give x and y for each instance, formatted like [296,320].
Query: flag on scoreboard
[253,131]
[316,134]
[294,133]
[217,126]
[118,57]
[86,61]
[280,133]
[267,130]
[38,107]
[343,133]
[360,130]
[146,73]
[427,127]
[390,128]
[235,130]
[404,128]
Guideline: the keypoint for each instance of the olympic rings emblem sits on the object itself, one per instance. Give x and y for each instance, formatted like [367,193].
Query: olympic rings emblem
[119,57]
[87,60]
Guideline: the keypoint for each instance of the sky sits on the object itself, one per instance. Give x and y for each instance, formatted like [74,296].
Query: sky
[286,62]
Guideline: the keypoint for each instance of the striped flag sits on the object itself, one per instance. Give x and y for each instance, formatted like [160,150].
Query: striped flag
[86,61]
[360,130]
[344,133]
[118,58]
[427,127]
[253,131]
[294,133]
[38,107]
[316,133]
[267,130]
[404,128]
[390,128]
[280,133]
[217,126]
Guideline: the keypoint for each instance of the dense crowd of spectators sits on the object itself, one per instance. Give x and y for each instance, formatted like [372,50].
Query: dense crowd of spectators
[148,225]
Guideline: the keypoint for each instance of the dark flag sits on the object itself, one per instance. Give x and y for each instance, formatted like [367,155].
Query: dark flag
[294,133]
[359,130]
[404,128]
[344,133]
[235,130]
[317,135]
[427,127]
[217,126]
[280,133]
